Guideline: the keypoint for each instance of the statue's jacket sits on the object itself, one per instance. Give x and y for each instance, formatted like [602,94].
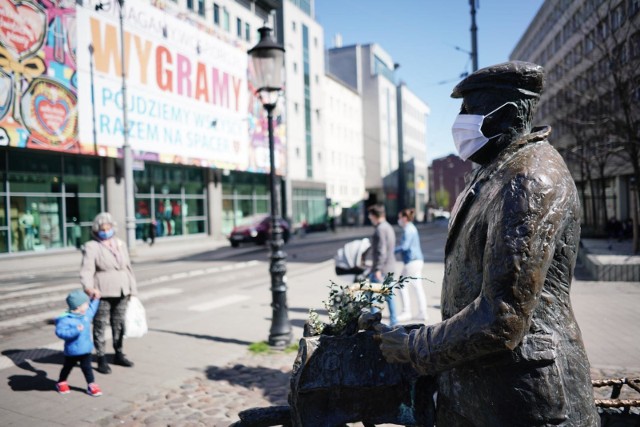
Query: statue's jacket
[509,351]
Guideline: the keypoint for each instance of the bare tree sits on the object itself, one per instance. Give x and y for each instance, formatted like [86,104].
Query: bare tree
[598,107]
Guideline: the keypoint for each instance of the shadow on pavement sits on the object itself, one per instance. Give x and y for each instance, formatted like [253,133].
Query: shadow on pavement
[203,337]
[38,381]
[274,383]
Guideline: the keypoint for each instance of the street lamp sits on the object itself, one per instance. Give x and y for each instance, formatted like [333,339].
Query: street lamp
[267,58]
[127,155]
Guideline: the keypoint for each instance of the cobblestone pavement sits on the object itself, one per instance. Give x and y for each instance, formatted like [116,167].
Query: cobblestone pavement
[215,397]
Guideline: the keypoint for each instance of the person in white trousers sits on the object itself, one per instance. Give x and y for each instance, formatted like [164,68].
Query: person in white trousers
[413,262]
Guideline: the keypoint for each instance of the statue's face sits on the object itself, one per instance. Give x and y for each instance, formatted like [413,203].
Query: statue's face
[483,102]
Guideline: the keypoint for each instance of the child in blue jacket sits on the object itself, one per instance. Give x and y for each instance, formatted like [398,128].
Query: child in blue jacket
[74,327]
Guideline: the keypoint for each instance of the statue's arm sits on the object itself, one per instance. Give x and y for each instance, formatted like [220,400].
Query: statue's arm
[518,252]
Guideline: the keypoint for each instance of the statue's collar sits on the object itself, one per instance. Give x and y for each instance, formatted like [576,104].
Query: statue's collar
[537,134]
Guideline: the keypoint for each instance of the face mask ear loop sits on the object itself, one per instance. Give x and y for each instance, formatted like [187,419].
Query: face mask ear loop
[506,103]
[491,112]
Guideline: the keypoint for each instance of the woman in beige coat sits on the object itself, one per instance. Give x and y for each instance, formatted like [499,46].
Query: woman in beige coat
[106,271]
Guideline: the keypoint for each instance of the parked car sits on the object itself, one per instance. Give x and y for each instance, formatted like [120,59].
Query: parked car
[256,229]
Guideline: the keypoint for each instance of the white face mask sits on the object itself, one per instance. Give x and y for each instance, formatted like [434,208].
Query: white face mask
[467,132]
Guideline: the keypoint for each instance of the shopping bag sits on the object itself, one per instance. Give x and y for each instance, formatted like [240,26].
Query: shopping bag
[135,320]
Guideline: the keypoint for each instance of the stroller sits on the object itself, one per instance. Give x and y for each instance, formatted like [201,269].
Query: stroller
[350,260]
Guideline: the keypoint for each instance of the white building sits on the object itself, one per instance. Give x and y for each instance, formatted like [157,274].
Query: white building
[303,38]
[412,138]
[343,144]
[370,70]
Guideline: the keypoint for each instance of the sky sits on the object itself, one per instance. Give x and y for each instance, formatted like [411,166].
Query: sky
[431,40]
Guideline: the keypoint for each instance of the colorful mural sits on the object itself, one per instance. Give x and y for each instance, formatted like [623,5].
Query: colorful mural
[188,97]
[38,88]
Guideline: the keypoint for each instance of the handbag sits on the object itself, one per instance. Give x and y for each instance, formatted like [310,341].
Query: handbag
[135,320]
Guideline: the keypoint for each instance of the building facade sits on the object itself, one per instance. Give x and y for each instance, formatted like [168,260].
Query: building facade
[371,72]
[447,181]
[197,133]
[344,149]
[413,182]
[303,39]
[591,53]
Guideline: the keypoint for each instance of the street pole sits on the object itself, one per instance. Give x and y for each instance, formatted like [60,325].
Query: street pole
[280,334]
[474,39]
[130,216]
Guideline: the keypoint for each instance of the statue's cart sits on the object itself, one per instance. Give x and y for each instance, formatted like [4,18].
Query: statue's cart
[345,379]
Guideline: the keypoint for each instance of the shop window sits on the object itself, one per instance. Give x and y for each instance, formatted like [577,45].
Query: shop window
[81,174]
[34,172]
[195,226]
[4,241]
[169,216]
[194,207]
[81,209]
[35,223]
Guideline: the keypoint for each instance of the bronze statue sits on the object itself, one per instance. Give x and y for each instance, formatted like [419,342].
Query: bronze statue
[508,351]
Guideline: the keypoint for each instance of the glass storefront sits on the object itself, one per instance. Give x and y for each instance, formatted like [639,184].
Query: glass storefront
[47,200]
[309,207]
[243,195]
[171,199]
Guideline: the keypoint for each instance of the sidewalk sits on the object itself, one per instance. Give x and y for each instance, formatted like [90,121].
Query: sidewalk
[610,259]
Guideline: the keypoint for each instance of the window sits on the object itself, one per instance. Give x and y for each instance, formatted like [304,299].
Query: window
[617,17]
[293,26]
[619,55]
[201,7]
[247,32]
[216,14]
[603,29]
[634,7]
[225,20]
[589,42]
[239,27]
[190,4]
[634,45]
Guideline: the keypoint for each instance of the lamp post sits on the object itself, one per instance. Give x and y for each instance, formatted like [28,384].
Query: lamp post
[127,155]
[267,58]
[130,215]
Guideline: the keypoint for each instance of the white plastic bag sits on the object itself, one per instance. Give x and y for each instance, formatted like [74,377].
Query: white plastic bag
[135,321]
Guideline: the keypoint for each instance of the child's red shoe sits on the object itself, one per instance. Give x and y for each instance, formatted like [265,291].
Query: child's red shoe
[63,387]
[94,390]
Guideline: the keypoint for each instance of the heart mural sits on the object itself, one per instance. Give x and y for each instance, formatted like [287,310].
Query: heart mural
[52,115]
[22,27]
[49,112]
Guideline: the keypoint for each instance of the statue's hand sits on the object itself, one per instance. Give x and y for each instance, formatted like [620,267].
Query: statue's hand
[367,321]
[394,344]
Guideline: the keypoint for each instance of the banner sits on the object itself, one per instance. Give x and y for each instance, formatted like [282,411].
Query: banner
[187,95]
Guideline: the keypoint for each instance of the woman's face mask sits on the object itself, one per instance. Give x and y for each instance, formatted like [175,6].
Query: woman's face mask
[105,234]
[467,132]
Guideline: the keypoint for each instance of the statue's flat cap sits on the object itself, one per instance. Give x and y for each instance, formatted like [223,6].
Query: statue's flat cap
[524,77]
